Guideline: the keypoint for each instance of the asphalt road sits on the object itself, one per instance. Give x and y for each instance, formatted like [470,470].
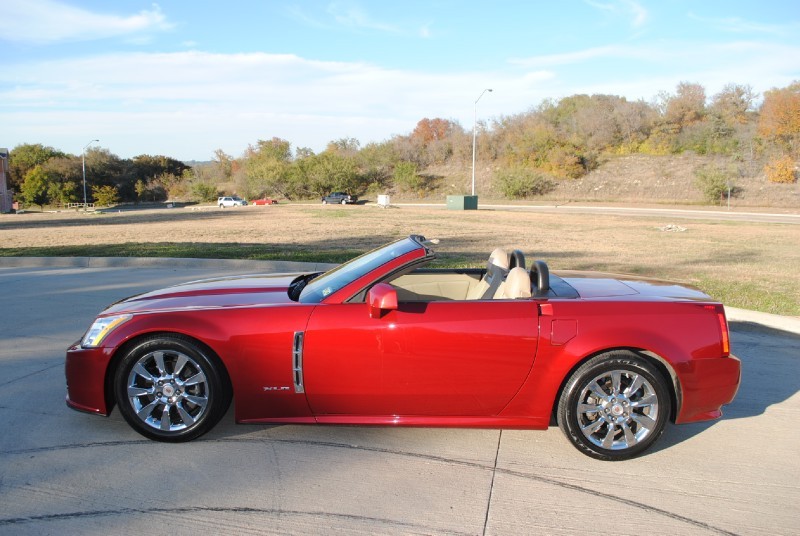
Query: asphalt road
[714,214]
[64,472]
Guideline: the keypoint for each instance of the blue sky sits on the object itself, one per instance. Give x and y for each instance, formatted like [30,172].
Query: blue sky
[183,78]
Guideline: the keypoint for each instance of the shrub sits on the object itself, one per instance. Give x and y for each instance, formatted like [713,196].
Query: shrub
[781,170]
[519,182]
[714,182]
[405,176]
[204,192]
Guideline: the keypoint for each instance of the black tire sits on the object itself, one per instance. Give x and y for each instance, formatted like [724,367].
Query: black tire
[169,388]
[615,406]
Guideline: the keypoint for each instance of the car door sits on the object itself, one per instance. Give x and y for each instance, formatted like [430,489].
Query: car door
[457,358]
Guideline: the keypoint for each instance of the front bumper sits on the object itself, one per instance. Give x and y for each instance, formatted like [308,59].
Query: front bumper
[85,371]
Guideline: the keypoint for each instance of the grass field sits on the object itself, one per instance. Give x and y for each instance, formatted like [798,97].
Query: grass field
[747,265]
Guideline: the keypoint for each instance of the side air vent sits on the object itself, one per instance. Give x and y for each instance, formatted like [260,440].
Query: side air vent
[297,362]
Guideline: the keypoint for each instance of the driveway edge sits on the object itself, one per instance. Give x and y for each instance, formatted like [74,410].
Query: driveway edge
[783,323]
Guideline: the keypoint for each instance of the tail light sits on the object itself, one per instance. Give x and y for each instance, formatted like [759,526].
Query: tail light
[725,338]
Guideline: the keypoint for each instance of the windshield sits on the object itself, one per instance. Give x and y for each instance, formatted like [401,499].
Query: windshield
[333,280]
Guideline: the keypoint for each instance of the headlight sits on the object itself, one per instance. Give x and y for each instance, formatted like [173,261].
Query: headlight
[101,328]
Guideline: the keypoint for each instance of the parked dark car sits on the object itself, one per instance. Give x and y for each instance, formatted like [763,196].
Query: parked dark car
[340,198]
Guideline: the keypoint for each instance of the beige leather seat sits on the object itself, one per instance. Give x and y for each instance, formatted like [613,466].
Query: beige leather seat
[496,270]
[517,284]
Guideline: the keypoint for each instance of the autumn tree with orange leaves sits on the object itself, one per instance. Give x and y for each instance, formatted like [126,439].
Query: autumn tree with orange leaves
[780,117]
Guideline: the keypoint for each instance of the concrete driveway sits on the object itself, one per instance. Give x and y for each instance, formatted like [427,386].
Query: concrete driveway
[64,472]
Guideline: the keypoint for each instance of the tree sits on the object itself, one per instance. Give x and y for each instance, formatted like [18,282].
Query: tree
[105,196]
[344,146]
[274,149]
[428,130]
[34,187]
[687,106]
[266,168]
[63,192]
[779,122]
[224,164]
[64,175]
[141,189]
[733,104]
[25,157]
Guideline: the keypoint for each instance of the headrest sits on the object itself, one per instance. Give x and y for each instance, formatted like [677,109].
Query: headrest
[518,283]
[499,258]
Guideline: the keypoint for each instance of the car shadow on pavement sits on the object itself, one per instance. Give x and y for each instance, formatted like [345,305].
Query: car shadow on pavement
[770,362]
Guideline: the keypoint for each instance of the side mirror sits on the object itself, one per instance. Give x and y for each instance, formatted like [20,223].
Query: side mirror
[381,298]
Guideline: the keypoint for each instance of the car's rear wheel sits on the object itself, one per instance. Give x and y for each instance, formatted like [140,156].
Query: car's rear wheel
[169,388]
[615,406]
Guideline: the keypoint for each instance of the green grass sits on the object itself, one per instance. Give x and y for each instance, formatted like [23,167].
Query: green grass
[745,295]
[748,295]
[330,214]
[186,250]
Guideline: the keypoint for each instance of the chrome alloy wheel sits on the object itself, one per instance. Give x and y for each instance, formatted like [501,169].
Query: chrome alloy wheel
[167,390]
[617,409]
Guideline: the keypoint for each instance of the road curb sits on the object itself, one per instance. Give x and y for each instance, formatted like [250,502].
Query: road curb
[161,262]
[783,323]
[789,324]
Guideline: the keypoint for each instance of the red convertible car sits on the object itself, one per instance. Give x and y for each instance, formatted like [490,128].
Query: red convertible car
[382,340]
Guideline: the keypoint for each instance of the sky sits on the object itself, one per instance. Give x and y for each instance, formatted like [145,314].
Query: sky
[183,78]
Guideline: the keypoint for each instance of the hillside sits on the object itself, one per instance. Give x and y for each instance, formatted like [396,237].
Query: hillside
[632,178]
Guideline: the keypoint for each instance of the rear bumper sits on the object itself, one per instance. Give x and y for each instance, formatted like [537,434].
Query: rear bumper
[706,386]
[85,371]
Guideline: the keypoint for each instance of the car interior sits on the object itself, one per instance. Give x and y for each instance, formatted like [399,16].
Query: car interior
[505,277]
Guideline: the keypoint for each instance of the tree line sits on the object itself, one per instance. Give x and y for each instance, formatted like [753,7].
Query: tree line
[530,152]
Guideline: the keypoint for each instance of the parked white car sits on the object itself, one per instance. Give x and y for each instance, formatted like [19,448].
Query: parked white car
[231,201]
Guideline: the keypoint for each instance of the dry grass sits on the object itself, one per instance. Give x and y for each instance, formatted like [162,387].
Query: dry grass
[749,265]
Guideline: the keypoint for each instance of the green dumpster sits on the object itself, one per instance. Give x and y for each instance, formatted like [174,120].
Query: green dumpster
[462,202]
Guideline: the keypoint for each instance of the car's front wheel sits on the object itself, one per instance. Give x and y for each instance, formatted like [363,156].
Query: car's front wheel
[614,406]
[169,388]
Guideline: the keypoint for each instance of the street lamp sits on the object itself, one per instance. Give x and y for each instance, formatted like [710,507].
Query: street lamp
[83,162]
[474,136]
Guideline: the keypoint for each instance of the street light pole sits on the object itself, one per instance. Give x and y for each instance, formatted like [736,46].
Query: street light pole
[474,135]
[83,163]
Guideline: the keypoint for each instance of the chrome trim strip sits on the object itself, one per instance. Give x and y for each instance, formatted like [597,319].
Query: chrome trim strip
[297,362]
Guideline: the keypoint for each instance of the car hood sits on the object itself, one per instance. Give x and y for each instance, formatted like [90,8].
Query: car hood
[606,285]
[238,291]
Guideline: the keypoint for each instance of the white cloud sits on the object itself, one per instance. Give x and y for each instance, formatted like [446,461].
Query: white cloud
[187,104]
[352,16]
[631,9]
[580,56]
[49,21]
[739,25]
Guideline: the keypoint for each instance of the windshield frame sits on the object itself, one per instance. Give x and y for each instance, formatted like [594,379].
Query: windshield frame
[328,284]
